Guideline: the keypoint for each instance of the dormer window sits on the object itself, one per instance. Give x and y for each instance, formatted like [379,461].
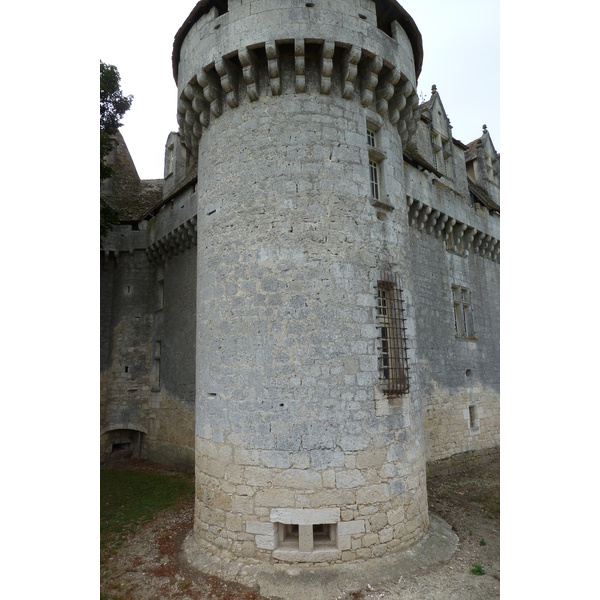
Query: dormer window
[441,152]
[491,167]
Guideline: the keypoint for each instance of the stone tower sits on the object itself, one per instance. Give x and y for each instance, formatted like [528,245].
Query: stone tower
[309,426]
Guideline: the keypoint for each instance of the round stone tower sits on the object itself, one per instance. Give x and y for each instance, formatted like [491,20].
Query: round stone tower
[309,429]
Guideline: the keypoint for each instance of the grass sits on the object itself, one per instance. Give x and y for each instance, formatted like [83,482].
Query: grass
[130,496]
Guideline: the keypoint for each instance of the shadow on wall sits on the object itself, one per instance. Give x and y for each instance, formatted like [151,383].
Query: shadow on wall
[120,444]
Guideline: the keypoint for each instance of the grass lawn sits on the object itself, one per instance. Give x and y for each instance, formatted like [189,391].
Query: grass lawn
[130,496]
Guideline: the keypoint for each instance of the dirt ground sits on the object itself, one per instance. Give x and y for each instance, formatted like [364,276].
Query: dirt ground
[150,564]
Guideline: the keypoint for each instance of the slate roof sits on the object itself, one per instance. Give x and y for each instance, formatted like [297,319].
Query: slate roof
[482,196]
[413,157]
[471,152]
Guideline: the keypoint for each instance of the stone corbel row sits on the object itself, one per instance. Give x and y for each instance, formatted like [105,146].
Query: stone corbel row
[174,243]
[115,255]
[218,83]
[458,237]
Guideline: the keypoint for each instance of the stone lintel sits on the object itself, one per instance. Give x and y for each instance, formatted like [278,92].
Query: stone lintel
[305,516]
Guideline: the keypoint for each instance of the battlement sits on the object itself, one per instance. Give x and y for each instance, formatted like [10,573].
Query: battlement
[263,48]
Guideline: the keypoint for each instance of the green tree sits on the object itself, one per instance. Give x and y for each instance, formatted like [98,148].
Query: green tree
[113,105]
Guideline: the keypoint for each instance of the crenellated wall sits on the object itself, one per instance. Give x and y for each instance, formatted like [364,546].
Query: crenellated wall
[265,48]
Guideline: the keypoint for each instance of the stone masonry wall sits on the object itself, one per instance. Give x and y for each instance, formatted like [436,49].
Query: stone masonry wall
[290,251]
[456,373]
[148,334]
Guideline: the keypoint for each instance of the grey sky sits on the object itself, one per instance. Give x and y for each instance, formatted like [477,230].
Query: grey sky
[461,41]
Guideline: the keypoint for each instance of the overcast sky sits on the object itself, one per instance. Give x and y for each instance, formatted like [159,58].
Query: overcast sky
[461,45]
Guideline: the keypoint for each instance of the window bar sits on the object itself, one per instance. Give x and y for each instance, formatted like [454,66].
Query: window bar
[393,337]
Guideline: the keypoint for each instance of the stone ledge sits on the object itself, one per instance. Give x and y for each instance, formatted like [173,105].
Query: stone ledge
[296,556]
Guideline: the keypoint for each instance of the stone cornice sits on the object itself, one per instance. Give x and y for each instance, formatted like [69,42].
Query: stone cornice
[459,237]
[175,242]
[219,85]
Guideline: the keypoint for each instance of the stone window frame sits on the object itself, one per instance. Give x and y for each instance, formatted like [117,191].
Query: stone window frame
[156,370]
[393,346]
[170,160]
[464,327]
[491,165]
[474,418]
[441,147]
[376,158]
[301,534]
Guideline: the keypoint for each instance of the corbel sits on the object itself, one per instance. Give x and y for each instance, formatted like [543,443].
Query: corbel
[369,79]
[350,70]
[211,90]
[249,72]
[299,64]
[273,67]
[398,101]
[228,75]
[327,50]
[386,89]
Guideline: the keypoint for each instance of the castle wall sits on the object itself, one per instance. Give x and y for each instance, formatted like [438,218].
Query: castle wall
[127,330]
[460,378]
[171,415]
[240,327]
[148,331]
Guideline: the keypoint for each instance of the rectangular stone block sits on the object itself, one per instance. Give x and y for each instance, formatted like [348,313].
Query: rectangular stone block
[350,527]
[265,542]
[305,538]
[292,556]
[373,493]
[260,528]
[305,516]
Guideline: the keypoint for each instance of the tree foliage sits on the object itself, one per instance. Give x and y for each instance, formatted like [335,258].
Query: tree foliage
[113,105]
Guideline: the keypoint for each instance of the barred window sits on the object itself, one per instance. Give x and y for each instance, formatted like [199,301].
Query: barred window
[463,317]
[393,359]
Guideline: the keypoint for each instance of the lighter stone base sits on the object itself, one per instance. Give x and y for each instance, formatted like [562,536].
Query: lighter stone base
[326,582]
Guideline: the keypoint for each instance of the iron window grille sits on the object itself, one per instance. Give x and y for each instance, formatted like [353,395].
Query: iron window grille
[393,357]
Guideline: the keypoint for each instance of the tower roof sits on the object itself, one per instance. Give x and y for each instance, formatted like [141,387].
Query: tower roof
[387,11]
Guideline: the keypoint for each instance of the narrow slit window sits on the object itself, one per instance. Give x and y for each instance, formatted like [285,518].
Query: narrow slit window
[393,358]
[374,175]
[472,416]
[371,138]
[376,158]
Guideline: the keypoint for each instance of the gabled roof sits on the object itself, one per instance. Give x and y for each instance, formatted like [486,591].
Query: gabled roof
[427,111]
[412,156]
[483,140]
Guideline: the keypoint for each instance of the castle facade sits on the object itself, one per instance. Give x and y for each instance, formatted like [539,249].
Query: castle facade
[306,309]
